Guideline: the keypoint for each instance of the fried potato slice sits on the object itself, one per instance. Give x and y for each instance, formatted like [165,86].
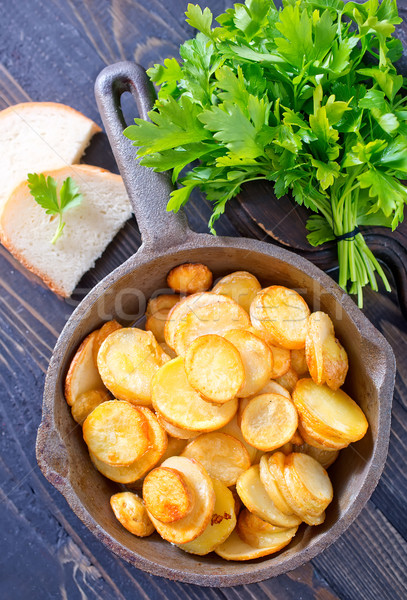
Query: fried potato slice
[313,438]
[272,387]
[326,358]
[232,428]
[269,421]
[276,464]
[103,333]
[156,323]
[215,318]
[175,447]
[221,525]
[191,303]
[234,548]
[254,496]
[299,362]
[177,432]
[325,457]
[281,356]
[296,439]
[178,403]
[271,486]
[195,522]
[310,482]
[162,303]
[116,433]
[333,412]
[283,314]
[158,309]
[158,445]
[224,457]
[288,380]
[87,402]
[167,494]
[127,361]
[214,368]
[130,510]
[257,360]
[190,278]
[258,533]
[83,375]
[241,286]
[168,350]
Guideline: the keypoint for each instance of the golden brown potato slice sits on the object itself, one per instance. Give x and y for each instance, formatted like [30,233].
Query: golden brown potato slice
[156,323]
[168,350]
[177,432]
[158,309]
[288,380]
[325,457]
[254,496]
[214,368]
[127,361]
[271,486]
[269,421]
[257,360]
[215,318]
[241,286]
[283,314]
[281,356]
[129,509]
[167,494]
[332,412]
[195,522]
[222,455]
[103,333]
[296,439]
[221,525]
[232,428]
[277,468]
[83,375]
[299,362]
[234,548]
[326,358]
[190,278]
[256,532]
[314,438]
[272,387]
[178,403]
[162,303]
[86,402]
[158,444]
[179,312]
[308,482]
[174,448]
[116,433]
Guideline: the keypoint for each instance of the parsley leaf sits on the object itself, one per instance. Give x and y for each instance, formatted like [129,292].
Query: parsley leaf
[44,192]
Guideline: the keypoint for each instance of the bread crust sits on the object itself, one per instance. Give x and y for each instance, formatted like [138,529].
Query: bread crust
[30,105]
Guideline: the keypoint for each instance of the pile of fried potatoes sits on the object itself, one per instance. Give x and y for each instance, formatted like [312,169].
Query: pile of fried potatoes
[221,417]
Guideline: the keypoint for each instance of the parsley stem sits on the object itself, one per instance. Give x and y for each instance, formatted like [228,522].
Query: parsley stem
[59,230]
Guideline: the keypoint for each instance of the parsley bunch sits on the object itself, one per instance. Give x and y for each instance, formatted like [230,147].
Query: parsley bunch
[307,97]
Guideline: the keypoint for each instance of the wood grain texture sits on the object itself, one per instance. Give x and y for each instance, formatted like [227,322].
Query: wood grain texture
[53,50]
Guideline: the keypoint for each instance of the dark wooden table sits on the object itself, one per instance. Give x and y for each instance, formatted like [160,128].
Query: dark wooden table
[53,50]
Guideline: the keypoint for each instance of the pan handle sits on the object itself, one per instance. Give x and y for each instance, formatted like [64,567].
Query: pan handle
[148,191]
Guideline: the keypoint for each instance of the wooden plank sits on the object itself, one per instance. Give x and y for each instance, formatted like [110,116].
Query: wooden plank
[53,51]
[369,561]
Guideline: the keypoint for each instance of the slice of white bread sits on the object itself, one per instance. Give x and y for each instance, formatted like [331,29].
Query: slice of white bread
[27,230]
[39,136]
